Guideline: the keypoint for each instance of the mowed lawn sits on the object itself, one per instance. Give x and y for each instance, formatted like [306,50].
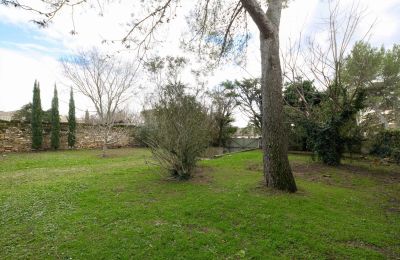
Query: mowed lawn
[76,205]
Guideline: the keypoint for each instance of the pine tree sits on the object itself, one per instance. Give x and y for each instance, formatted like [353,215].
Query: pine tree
[71,121]
[55,122]
[36,122]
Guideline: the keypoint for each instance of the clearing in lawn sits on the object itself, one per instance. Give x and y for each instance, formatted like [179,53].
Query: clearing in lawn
[74,204]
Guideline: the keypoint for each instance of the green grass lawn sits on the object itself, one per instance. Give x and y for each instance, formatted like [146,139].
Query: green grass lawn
[76,205]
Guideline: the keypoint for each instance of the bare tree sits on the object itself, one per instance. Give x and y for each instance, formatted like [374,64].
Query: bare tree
[328,65]
[222,28]
[324,62]
[106,80]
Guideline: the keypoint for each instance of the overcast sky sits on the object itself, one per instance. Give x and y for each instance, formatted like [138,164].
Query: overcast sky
[28,52]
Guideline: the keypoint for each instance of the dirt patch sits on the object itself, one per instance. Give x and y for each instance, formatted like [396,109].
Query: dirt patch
[307,169]
[342,175]
[317,172]
[382,176]
[311,171]
[256,167]
[202,175]
[115,153]
[201,229]
[299,169]
[364,245]
[393,205]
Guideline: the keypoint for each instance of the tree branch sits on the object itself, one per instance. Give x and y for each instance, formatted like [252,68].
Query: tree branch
[261,19]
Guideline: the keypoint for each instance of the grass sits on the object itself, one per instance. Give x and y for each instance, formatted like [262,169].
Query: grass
[76,205]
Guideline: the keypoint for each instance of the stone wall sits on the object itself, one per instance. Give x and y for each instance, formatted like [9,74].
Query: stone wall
[16,137]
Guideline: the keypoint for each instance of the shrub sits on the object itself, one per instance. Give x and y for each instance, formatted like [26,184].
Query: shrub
[387,144]
[177,131]
[328,145]
[141,134]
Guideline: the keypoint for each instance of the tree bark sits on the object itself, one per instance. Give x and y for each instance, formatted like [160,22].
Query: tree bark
[105,141]
[277,171]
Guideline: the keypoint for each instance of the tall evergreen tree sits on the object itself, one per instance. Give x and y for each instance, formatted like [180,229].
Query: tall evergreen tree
[87,117]
[36,121]
[55,122]
[71,121]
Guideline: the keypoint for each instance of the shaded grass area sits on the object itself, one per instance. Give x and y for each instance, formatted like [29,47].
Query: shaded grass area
[74,204]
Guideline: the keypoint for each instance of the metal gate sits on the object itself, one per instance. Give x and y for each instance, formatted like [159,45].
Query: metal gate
[241,144]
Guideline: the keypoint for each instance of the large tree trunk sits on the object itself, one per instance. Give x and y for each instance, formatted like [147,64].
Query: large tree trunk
[277,171]
[105,141]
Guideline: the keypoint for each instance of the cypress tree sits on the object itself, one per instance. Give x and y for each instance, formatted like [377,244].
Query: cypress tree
[87,117]
[71,121]
[55,122]
[36,121]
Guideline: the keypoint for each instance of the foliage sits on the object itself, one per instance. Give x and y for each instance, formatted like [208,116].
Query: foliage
[87,117]
[250,130]
[330,138]
[301,99]
[382,79]
[247,93]
[316,123]
[387,144]
[369,81]
[71,121]
[55,122]
[301,94]
[24,114]
[343,73]
[141,135]
[298,135]
[36,121]
[178,131]
[142,129]
[223,103]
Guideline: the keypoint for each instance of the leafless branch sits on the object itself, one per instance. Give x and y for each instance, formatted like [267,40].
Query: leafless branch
[105,80]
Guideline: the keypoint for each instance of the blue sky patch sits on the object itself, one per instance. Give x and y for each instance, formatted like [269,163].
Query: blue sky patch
[28,38]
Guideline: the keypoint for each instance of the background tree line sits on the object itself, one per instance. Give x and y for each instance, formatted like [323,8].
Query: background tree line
[330,121]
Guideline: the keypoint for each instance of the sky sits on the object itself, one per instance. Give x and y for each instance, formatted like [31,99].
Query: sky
[28,52]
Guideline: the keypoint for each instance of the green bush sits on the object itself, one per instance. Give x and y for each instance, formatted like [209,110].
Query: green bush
[141,135]
[387,144]
[178,131]
[327,144]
